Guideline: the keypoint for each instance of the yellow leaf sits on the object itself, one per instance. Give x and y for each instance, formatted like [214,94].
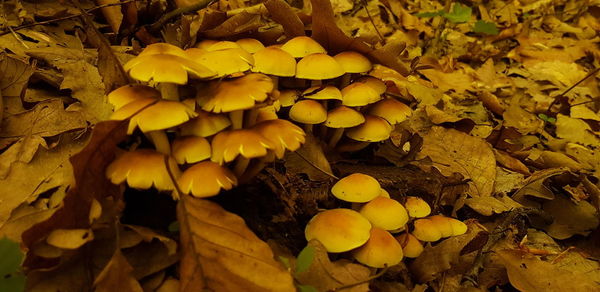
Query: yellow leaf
[220,253]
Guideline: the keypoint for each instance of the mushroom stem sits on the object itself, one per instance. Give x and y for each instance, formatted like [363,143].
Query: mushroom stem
[169,91]
[335,137]
[250,118]
[160,141]
[257,167]
[237,119]
[241,163]
[308,128]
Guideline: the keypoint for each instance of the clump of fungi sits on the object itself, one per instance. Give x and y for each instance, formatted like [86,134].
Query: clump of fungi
[250,104]
[380,231]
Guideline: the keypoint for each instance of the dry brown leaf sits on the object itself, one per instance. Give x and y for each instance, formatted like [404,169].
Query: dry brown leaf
[22,151]
[570,218]
[80,76]
[282,13]
[148,234]
[325,275]
[46,119]
[530,274]
[445,255]
[458,80]
[117,276]
[515,116]
[510,162]
[534,186]
[453,151]
[14,76]
[576,131]
[234,25]
[220,253]
[487,206]
[113,14]
[309,159]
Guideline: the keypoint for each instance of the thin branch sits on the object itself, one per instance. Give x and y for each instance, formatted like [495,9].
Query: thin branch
[159,24]
[364,2]
[556,98]
[13,29]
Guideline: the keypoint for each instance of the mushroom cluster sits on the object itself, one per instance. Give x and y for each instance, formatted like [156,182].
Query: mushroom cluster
[367,232]
[205,141]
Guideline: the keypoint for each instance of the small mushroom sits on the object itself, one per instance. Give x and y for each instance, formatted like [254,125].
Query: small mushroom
[356,188]
[380,251]
[339,230]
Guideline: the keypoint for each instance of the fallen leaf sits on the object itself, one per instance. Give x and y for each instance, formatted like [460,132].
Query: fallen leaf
[516,117]
[22,151]
[534,186]
[112,14]
[458,80]
[570,218]
[148,234]
[453,151]
[576,131]
[237,24]
[309,159]
[325,275]
[117,276]
[282,13]
[69,238]
[220,253]
[487,206]
[11,278]
[14,76]
[527,273]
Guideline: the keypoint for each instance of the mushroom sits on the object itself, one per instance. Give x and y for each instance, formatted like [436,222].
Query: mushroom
[340,118]
[374,129]
[443,224]
[385,213]
[250,45]
[308,112]
[128,93]
[339,230]
[380,251]
[411,246]
[240,144]
[352,62]
[206,179]
[302,46]
[318,67]
[142,169]
[391,110]
[416,207]
[275,62]
[426,230]
[356,188]
[205,124]
[224,61]
[190,149]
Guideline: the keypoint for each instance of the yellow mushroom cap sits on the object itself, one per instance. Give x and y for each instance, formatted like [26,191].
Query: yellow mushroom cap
[426,230]
[416,207]
[223,62]
[190,149]
[222,45]
[227,145]
[142,169]
[353,62]
[166,68]
[274,61]
[288,97]
[205,44]
[359,94]
[356,188]
[239,94]
[458,227]
[282,134]
[339,230]
[384,193]
[318,67]
[206,179]
[308,112]
[128,93]
[443,224]
[411,246]
[375,83]
[267,113]
[391,110]
[302,46]
[381,250]
[374,129]
[322,93]
[162,48]
[205,124]
[157,115]
[250,45]
[385,213]
[343,117]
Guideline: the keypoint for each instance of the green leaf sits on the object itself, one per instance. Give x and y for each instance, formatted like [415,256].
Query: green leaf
[285,261]
[459,13]
[174,226]
[307,288]
[11,278]
[485,27]
[430,14]
[305,258]
[547,118]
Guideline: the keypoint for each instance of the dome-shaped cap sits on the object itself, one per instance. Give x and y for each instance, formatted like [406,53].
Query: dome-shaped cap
[308,112]
[426,230]
[375,83]
[443,224]
[374,129]
[250,45]
[128,93]
[288,97]
[318,67]
[458,227]
[301,46]
[339,230]
[157,115]
[274,61]
[142,169]
[416,207]
[190,149]
[385,213]
[359,94]
[166,68]
[381,250]
[162,48]
[391,110]
[322,93]
[343,117]
[206,179]
[353,62]
[205,124]
[411,246]
[223,62]
[356,188]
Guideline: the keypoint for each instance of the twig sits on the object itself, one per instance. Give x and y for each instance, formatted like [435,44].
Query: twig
[157,25]
[13,29]
[383,271]
[372,22]
[316,166]
[556,98]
